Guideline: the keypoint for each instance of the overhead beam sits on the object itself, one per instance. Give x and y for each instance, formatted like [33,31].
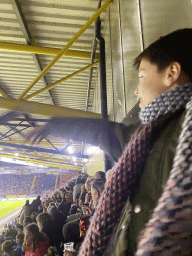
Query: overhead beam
[65,48]
[45,50]
[30,107]
[38,149]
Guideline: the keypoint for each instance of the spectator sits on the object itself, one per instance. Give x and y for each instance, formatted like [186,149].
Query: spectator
[35,243]
[27,221]
[100,175]
[34,205]
[26,210]
[7,248]
[19,229]
[46,225]
[65,205]
[58,221]
[19,241]
[153,176]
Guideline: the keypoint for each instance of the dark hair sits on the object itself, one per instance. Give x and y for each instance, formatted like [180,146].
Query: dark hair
[175,46]
[7,245]
[20,237]
[28,219]
[101,176]
[19,226]
[98,185]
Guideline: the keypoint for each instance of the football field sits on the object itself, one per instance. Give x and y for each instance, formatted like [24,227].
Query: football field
[9,210]
[9,206]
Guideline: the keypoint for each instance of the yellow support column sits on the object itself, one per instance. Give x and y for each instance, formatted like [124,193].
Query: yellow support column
[56,182]
[33,182]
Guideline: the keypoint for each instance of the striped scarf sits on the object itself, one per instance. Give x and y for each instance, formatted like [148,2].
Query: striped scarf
[124,179]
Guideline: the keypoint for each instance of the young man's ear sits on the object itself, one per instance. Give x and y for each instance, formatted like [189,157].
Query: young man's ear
[174,71]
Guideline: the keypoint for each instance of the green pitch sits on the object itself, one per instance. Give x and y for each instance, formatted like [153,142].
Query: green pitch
[9,206]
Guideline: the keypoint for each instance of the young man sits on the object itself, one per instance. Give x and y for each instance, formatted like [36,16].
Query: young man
[151,187]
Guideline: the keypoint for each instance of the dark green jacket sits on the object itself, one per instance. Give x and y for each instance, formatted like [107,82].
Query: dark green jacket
[136,214]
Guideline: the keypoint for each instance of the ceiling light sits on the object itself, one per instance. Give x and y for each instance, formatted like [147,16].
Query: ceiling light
[70,150]
[92,150]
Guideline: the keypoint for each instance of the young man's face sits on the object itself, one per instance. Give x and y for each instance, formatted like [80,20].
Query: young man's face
[151,83]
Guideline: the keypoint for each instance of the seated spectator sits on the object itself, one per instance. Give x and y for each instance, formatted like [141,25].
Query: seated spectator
[35,243]
[27,221]
[7,248]
[46,225]
[18,247]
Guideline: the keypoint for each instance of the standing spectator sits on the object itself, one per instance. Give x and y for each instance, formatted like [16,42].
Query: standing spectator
[150,188]
[46,225]
[26,210]
[59,222]
[34,205]
[65,205]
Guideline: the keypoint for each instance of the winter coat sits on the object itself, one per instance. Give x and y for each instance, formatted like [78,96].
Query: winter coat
[136,213]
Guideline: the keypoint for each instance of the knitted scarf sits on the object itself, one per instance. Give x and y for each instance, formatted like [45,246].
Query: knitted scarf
[124,179]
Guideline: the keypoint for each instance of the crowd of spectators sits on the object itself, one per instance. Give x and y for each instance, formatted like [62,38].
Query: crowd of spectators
[28,184]
[45,226]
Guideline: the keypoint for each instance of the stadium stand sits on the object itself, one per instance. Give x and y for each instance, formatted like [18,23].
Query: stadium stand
[28,184]
[69,225]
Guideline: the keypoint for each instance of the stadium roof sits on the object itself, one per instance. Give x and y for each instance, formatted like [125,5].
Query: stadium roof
[33,34]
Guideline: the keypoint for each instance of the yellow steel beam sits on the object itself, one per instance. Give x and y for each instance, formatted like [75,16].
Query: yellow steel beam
[45,50]
[46,163]
[44,109]
[65,48]
[40,158]
[60,81]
